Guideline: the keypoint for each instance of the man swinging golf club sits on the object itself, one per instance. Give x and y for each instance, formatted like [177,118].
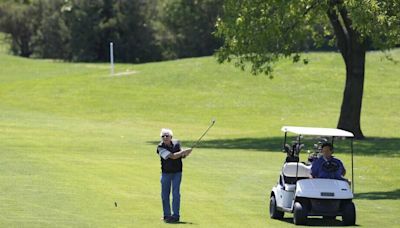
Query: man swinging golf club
[171,156]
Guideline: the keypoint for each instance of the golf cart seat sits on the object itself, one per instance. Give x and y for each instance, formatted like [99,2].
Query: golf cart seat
[289,171]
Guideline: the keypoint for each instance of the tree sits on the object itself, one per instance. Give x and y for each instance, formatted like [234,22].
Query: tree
[80,30]
[16,20]
[93,24]
[52,36]
[188,26]
[136,37]
[263,31]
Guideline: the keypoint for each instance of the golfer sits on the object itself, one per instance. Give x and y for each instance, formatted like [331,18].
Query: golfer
[328,166]
[171,156]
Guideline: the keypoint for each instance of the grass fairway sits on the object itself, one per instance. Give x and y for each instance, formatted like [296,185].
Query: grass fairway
[74,140]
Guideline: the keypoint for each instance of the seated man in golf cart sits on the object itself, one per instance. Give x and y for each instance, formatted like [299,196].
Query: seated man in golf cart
[327,166]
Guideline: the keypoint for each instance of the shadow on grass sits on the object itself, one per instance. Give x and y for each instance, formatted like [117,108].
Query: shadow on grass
[181,222]
[390,195]
[378,146]
[371,146]
[318,221]
[259,144]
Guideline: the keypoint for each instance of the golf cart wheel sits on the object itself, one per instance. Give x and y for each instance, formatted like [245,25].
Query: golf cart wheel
[273,211]
[349,214]
[299,214]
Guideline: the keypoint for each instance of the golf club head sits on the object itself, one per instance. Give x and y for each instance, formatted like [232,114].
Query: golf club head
[213,120]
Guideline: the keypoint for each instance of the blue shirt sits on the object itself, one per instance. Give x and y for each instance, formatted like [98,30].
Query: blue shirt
[327,168]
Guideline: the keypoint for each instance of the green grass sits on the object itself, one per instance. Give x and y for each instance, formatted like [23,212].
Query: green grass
[75,140]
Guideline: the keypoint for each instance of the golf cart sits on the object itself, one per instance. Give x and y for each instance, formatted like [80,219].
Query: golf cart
[303,196]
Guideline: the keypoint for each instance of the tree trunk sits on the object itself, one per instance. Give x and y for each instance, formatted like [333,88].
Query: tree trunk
[352,48]
[26,43]
[350,112]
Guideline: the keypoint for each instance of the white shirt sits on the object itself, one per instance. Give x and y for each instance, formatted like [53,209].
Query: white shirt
[164,153]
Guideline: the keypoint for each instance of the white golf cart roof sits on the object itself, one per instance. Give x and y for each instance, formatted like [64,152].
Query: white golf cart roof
[317,131]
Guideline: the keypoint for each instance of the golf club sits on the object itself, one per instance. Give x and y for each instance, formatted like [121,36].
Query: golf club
[197,142]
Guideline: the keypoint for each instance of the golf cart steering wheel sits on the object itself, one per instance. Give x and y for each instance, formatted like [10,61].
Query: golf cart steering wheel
[330,166]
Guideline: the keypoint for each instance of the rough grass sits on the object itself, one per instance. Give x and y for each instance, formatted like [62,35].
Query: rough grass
[75,140]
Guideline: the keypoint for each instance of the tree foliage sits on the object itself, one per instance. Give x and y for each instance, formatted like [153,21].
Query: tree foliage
[16,20]
[263,31]
[80,30]
[51,38]
[188,26]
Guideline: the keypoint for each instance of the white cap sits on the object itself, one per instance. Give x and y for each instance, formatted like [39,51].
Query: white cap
[166,131]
